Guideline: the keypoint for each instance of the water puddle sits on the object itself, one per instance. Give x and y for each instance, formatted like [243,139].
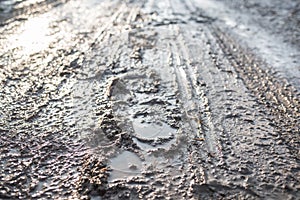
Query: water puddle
[125,165]
[153,147]
[152,130]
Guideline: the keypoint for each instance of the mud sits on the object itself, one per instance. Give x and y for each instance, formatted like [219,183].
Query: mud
[195,99]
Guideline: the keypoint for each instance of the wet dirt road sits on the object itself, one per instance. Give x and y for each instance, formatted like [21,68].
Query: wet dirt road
[194,99]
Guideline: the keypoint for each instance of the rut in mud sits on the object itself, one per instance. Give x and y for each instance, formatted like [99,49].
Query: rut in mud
[148,100]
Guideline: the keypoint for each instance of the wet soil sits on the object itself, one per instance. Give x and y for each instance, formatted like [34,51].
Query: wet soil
[195,99]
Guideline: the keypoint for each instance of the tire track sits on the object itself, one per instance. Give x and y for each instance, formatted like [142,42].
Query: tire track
[227,140]
[278,97]
[196,108]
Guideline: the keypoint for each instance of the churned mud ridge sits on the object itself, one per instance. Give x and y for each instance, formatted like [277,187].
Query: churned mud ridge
[42,152]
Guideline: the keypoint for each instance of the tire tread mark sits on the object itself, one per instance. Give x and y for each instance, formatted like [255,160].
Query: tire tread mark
[196,105]
[280,99]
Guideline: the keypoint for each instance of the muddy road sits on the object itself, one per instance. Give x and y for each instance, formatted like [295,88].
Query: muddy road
[181,99]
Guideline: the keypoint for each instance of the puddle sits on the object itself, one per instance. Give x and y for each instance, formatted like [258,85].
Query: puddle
[152,131]
[125,165]
[148,147]
[143,145]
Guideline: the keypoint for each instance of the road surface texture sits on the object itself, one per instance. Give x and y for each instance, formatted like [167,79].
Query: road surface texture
[173,99]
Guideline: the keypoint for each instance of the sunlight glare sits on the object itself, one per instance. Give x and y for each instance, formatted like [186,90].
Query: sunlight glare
[33,37]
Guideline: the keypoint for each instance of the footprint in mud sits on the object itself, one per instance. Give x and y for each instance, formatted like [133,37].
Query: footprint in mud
[148,137]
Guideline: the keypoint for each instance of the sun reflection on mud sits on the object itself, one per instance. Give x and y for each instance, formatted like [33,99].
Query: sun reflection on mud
[33,36]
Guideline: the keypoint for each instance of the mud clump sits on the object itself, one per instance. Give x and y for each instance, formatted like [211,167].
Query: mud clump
[93,178]
[109,127]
